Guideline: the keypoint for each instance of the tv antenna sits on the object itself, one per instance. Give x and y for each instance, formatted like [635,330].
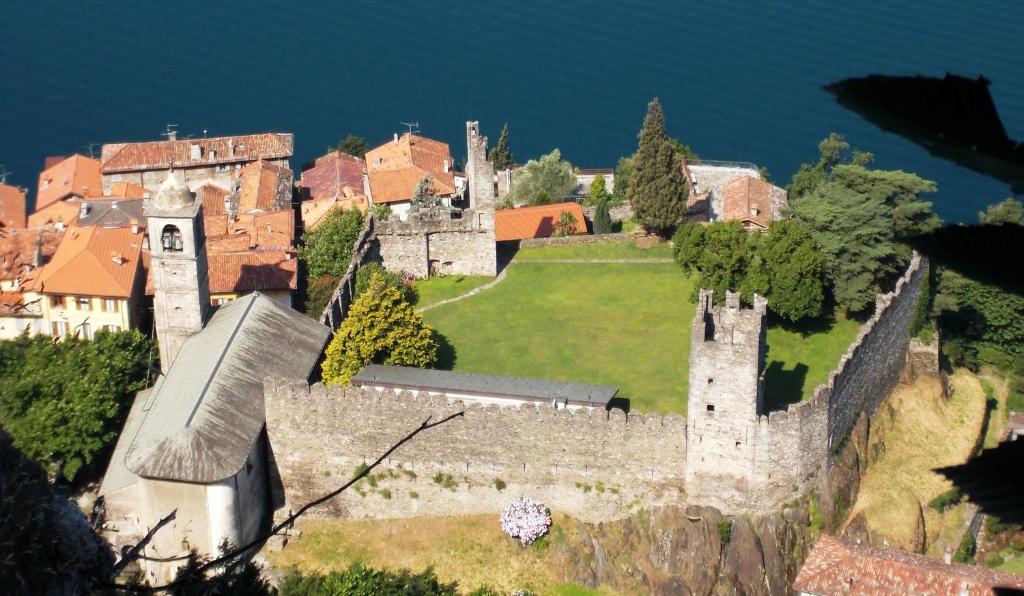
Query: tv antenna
[411,126]
[4,174]
[89,148]
[171,134]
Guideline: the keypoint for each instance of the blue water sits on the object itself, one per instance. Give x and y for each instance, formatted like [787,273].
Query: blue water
[738,81]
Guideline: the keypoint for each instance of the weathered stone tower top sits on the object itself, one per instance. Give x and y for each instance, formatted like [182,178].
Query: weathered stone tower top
[479,171]
[173,195]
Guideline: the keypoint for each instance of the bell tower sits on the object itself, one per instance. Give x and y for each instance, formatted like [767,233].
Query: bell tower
[181,303]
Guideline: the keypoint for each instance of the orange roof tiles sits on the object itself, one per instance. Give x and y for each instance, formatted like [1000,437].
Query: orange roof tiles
[77,175]
[535,222]
[746,199]
[395,169]
[61,212]
[836,566]
[93,262]
[159,155]
[256,270]
[314,212]
[128,190]
[18,250]
[212,197]
[275,229]
[333,176]
[264,186]
[12,207]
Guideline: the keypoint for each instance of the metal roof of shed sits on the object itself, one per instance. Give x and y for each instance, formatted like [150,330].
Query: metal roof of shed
[444,381]
[201,419]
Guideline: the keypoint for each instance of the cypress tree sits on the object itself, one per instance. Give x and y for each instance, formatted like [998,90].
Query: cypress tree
[657,188]
[500,155]
[602,219]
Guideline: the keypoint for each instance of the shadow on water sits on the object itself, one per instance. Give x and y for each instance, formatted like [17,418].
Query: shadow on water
[953,118]
[446,354]
[783,387]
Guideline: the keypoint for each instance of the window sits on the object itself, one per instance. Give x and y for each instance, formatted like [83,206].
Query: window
[711,407]
[83,303]
[710,380]
[59,328]
[112,328]
[220,300]
[86,331]
[110,305]
[737,444]
[56,302]
[170,239]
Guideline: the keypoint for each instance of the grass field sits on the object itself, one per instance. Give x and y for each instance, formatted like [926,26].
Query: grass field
[471,550]
[613,323]
[1013,565]
[437,289]
[921,432]
[604,250]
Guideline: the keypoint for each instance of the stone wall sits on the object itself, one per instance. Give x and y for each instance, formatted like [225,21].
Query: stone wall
[617,213]
[579,239]
[463,246]
[363,251]
[590,463]
[479,171]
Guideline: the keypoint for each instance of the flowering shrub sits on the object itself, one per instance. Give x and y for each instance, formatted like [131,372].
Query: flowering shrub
[525,520]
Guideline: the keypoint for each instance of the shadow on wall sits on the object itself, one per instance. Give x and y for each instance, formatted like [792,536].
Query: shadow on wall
[783,387]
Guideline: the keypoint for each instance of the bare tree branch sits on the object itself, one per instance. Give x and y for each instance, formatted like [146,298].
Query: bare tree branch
[234,553]
[134,552]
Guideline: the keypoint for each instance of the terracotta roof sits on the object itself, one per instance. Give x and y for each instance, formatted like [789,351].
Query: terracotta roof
[212,197]
[747,199]
[261,270]
[836,566]
[77,175]
[264,186]
[65,212]
[333,176]
[535,222]
[12,207]
[275,230]
[160,155]
[396,168]
[128,190]
[93,262]
[314,212]
[12,304]
[18,250]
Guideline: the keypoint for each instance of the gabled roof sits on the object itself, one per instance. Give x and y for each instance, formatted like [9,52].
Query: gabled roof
[18,250]
[12,207]
[161,155]
[93,262]
[128,190]
[110,213]
[837,566]
[63,212]
[334,176]
[395,169]
[747,199]
[77,175]
[275,229]
[212,197]
[265,187]
[535,222]
[202,418]
[262,270]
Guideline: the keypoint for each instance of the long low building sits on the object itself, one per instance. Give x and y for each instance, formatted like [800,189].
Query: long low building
[487,389]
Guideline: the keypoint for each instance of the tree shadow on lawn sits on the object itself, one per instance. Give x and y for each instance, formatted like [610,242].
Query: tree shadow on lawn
[446,353]
[783,388]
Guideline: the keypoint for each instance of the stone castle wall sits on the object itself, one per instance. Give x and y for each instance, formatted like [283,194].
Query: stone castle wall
[363,251]
[590,463]
[452,246]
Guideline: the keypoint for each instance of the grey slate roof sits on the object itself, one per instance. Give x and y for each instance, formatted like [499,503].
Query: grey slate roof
[200,420]
[443,381]
[107,213]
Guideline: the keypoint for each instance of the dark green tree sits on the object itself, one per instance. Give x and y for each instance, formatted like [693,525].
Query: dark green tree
[597,191]
[327,249]
[788,270]
[602,219]
[500,155]
[657,188]
[1009,211]
[623,173]
[318,293]
[718,253]
[351,144]
[64,402]
[543,180]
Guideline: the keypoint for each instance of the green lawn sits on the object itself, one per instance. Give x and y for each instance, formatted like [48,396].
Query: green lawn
[437,289]
[619,324]
[1014,564]
[602,250]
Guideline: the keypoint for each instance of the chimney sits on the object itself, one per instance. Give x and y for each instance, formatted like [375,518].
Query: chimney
[195,152]
[135,226]
[172,135]
[83,209]
[231,148]
[115,257]
[447,166]
[396,137]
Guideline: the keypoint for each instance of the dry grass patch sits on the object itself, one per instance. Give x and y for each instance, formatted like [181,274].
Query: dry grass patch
[921,431]
[471,550]
[1000,391]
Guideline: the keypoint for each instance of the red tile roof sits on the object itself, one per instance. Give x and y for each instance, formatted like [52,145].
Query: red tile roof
[93,262]
[12,207]
[64,212]
[265,187]
[212,197]
[77,175]
[535,222]
[261,270]
[18,250]
[160,155]
[314,212]
[837,566]
[334,176]
[395,169]
[275,230]
[128,190]
[749,200]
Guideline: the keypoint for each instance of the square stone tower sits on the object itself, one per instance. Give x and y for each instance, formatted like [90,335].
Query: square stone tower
[479,171]
[726,394]
[181,304]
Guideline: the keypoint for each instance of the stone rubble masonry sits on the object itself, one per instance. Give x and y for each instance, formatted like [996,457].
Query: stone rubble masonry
[463,246]
[364,250]
[580,239]
[479,171]
[589,463]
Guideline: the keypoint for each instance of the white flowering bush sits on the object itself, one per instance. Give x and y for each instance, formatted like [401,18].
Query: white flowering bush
[525,520]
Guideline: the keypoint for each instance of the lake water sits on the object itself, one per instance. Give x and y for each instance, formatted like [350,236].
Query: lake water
[738,81]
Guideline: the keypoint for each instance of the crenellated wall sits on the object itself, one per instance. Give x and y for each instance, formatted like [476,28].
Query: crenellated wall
[590,463]
[364,250]
[462,246]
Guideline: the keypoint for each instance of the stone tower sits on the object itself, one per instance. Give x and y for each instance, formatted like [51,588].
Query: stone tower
[726,395]
[479,171]
[181,303]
